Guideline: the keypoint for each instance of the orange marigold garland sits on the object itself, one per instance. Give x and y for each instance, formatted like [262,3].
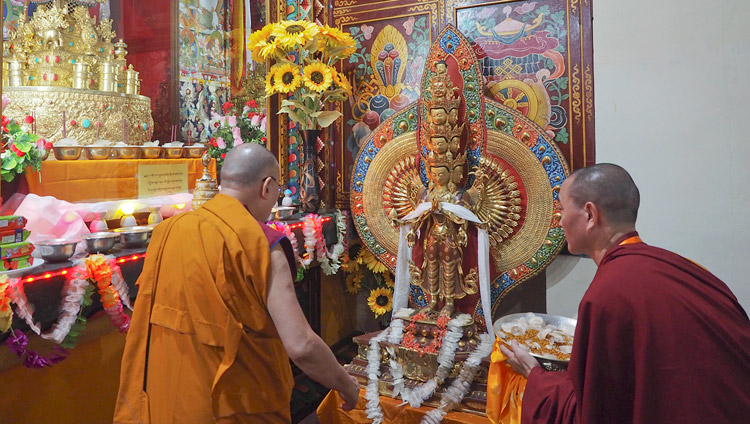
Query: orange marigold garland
[101,272]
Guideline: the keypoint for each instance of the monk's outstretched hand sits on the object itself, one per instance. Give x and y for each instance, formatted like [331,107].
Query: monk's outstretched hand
[350,395]
[519,359]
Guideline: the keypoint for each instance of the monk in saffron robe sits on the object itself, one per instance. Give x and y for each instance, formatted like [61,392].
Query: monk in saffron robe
[659,338]
[216,318]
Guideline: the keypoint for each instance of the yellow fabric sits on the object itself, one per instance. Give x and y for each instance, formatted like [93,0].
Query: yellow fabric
[329,412]
[98,180]
[214,351]
[505,389]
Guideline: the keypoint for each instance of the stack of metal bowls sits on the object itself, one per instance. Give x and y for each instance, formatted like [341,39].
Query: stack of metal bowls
[67,152]
[56,250]
[101,242]
[134,237]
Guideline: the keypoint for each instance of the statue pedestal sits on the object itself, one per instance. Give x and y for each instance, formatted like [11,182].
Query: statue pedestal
[418,369]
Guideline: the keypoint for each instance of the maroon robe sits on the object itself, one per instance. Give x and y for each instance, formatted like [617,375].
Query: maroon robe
[659,340]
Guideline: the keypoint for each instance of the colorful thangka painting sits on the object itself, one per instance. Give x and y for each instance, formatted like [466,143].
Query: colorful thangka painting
[535,60]
[385,71]
[204,66]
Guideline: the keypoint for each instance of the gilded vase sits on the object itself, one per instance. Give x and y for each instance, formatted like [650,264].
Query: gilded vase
[309,186]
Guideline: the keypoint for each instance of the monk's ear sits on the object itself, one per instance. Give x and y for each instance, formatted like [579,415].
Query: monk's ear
[265,189]
[592,215]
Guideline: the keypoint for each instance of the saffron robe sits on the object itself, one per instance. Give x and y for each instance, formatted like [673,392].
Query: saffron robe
[659,340]
[201,343]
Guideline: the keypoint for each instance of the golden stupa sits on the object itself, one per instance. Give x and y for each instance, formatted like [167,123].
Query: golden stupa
[62,67]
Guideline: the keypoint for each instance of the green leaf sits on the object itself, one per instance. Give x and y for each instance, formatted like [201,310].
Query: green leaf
[562,136]
[326,117]
[562,82]
[9,162]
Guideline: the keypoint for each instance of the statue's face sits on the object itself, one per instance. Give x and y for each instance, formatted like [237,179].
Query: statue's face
[439,116]
[439,144]
[458,174]
[438,89]
[453,116]
[441,68]
[440,175]
[455,143]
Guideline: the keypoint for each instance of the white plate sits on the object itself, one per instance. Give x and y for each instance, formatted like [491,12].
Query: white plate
[16,272]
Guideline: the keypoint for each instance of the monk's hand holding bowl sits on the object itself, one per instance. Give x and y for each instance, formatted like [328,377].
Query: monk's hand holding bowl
[519,359]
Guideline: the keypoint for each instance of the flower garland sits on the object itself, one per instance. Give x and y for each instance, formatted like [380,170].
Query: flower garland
[416,396]
[76,295]
[315,244]
[410,341]
[102,273]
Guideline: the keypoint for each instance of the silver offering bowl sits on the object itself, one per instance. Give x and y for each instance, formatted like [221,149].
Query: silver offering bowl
[549,364]
[173,152]
[134,236]
[194,152]
[56,250]
[67,152]
[129,152]
[284,212]
[151,152]
[101,242]
[97,152]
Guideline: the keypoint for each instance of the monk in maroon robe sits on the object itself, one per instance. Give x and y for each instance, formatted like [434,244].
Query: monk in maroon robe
[659,338]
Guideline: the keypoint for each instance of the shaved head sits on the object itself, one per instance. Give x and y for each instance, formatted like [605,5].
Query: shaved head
[609,187]
[246,164]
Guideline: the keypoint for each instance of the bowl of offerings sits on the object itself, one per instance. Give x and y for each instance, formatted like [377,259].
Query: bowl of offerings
[194,151]
[133,237]
[67,152]
[97,152]
[56,250]
[128,152]
[173,152]
[548,338]
[284,212]
[101,242]
[151,152]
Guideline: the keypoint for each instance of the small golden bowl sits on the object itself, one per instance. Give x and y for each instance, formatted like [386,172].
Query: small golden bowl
[97,152]
[151,152]
[67,152]
[130,152]
[173,152]
[194,152]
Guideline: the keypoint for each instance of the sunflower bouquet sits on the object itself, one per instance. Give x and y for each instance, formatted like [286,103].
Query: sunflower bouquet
[365,271]
[305,54]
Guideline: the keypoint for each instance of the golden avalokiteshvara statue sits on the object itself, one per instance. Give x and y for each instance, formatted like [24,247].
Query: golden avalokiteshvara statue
[63,68]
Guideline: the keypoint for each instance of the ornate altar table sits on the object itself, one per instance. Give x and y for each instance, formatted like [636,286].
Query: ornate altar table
[110,179]
[330,412]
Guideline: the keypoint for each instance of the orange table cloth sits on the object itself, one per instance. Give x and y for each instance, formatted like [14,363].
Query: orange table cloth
[99,180]
[330,412]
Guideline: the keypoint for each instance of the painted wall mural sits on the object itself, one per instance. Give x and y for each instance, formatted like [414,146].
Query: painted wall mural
[204,65]
[393,39]
[534,60]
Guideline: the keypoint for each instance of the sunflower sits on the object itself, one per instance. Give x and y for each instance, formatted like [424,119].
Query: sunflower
[317,76]
[270,82]
[260,39]
[295,33]
[388,280]
[341,81]
[372,263]
[380,301]
[332,36]
[354,282]
[288,78]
